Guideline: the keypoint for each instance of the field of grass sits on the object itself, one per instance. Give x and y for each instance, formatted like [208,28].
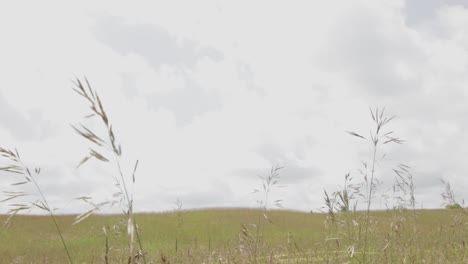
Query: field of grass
[214,236]
[343,234]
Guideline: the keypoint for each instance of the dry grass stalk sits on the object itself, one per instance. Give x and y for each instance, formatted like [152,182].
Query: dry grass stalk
[345,224]
[378,138]
[16,166]
[252,235]
[103,147]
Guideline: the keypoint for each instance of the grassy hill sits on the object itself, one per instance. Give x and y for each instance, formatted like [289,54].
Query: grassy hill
[343,235]
[230,236]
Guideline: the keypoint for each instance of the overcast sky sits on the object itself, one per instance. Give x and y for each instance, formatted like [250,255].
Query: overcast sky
[210,94]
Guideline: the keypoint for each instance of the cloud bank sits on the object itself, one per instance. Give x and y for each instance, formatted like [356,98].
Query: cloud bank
[210,95]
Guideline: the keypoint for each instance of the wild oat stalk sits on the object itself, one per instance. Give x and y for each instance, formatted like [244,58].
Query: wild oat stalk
[111,147]
[378,137]
[342,216]
[403,188]
[346,198]
[269,181]
[16,166]
[448,195]
[179,219]
[254,239]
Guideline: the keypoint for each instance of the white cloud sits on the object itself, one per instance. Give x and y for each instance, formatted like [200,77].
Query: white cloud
[207,94]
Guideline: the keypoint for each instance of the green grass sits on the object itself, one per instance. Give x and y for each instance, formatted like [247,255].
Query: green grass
[33,239]
[243,236]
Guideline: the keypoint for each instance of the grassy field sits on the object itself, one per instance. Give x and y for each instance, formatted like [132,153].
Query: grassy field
[342,235]
[215,235]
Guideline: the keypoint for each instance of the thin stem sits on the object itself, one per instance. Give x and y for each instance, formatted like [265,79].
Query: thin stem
[257,238]
[52,216]
[369,198]
[61,237]
[130,213]
[98,109]
[129,207]
[139,240]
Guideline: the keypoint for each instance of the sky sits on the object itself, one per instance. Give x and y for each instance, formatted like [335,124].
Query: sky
[209,95]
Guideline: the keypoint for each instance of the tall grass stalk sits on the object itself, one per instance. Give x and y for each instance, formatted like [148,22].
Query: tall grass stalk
[16,166]
[255,239]
[377,138]
[448,195]
[357,225]
[112,147]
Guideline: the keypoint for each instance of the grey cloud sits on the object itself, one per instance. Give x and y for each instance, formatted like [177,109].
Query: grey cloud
[274,153]
[368,55]
[159,47]
[299,174]
[186,103]
[245,73]
[425,181]
[271,152]
[419,11]
[30,126]
[151,42]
